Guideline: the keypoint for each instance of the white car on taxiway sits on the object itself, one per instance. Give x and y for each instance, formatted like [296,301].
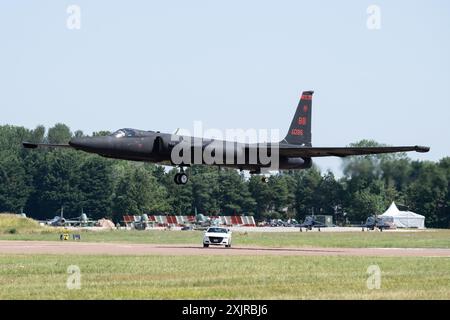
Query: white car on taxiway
[217,236]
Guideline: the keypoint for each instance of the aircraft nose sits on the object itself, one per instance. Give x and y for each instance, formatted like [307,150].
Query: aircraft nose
[94,144]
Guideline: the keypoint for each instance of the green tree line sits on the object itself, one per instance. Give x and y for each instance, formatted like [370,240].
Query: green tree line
[41,181]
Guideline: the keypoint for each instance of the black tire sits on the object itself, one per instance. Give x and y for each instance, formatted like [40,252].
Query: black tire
[205,245]
[176,179]
[183,178]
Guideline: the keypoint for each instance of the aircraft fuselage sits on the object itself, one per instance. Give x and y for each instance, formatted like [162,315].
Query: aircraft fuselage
[163,148]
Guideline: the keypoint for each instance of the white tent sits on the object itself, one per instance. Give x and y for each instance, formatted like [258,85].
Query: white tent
[404,219]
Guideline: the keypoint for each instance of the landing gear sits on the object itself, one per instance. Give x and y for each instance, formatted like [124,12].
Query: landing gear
[181,178]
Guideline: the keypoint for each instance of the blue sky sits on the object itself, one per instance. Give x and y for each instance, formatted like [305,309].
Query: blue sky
[160,65]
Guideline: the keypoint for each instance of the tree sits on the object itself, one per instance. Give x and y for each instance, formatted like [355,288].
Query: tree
[262,196]
[205,186]
[396,172]
[361,171]
[428,193]
[233,194]
[280,195]
[365,203]
[11,138]
[329,194]
[444,210]
[159,173]
[306,197]
[96,186]
[38,134]
[138,192]
[59,133]
[14,183]
[56,184]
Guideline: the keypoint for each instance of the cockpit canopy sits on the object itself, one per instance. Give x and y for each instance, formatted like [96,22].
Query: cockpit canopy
[127,132]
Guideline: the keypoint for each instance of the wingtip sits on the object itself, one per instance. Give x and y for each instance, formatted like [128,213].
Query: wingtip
[422,149]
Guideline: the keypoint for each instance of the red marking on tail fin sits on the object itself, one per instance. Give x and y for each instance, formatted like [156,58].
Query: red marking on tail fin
[297,132]
[302,121]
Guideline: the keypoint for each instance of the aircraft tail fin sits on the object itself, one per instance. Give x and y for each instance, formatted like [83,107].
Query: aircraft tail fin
[300,129]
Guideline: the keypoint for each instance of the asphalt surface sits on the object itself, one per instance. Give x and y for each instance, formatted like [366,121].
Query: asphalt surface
[84,248]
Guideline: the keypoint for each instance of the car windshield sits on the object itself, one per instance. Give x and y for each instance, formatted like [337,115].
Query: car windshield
[217,230]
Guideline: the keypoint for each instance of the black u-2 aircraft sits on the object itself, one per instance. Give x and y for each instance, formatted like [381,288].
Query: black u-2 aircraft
[293,152]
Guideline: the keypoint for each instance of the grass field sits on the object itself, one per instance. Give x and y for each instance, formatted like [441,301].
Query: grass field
[423,239]
[14,224]
[234,277]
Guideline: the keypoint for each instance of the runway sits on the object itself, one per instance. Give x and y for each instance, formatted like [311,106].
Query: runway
[84,248]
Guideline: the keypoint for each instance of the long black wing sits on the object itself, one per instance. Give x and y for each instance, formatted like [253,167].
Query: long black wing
[309,152]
